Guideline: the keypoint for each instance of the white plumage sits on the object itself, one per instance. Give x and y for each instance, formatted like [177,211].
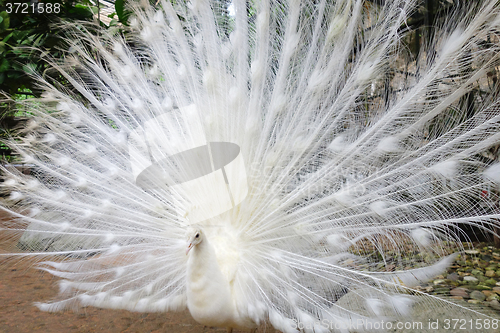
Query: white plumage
[268,142]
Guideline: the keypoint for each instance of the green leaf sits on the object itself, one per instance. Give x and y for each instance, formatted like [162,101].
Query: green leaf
[81,12]
[123,14]
[19,35]
[4,65]
[38,40]
[6,39]
[5,19]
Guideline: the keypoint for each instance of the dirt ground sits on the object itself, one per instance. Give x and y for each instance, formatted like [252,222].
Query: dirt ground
[21,286]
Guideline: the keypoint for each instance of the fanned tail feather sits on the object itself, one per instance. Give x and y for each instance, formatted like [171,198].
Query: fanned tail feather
[335,175]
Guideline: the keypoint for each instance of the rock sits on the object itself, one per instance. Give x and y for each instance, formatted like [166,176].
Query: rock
[429,289]
[489,292]
[439,281]
[480,287]
[497,284]
[459,292]
[486,257]
[476,272]
[441,290]
[457,297]
[490,273]
[477,295]
[470,279]
[471,252]
[474,301]
[453,277]
[490,282]
[494,304]
[496,289]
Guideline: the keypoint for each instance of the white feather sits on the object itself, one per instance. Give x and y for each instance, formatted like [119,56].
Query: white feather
[289,137]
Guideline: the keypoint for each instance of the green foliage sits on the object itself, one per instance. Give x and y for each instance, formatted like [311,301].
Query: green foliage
[24,32]
[121,11]
[27,30]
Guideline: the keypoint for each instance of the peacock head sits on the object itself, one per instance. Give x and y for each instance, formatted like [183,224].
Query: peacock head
[194,237]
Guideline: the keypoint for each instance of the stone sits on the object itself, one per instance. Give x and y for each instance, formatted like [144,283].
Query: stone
[459,292]
[474,301]
[489,292]
[476,272]
[470,279]
[477,295]
[490,282]
[490,273]
[439,281]
[480,287]
[496,289]
[494,304]
[486,257]
[453,277]
[471,251]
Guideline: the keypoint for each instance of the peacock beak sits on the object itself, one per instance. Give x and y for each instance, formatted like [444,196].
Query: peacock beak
[190,246]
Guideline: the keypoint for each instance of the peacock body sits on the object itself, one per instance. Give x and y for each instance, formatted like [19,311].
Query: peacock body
[278,143]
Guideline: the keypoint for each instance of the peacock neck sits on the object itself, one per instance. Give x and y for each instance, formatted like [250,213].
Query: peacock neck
[208,292]
[202,261]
